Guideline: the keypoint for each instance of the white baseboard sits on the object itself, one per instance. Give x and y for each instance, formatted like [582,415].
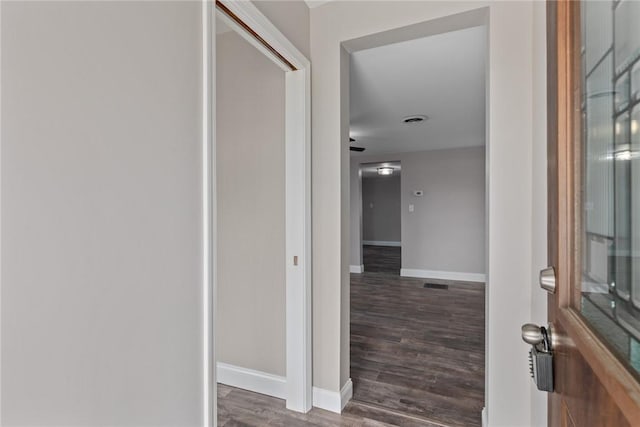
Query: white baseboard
[276,386]
[484,417]
[381,243]
[252,380]
[443,275]
[356,268]
[346,393]
[332,400]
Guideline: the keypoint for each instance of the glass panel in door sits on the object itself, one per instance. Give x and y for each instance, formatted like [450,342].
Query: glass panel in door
[610,133]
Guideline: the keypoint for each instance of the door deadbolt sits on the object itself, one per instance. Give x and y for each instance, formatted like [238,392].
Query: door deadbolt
[548,279]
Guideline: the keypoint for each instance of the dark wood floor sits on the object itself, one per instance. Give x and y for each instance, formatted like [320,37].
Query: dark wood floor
[417,358]
[417,350]
[381,259]
[238,407]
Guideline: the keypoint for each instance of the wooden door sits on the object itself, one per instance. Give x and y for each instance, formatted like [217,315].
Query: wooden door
[594,211]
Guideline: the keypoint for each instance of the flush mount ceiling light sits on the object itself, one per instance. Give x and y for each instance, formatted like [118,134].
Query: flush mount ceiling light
[418,118]
[385,171]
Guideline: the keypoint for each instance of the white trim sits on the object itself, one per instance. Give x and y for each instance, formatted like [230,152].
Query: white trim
[298,240]
[332,400]
[381,243]
[276,386]
[1,218]
[356,268]
[209,389]
[297,198]
[259,23]
[443,275]
[484,416]
[346,393]
[252,380]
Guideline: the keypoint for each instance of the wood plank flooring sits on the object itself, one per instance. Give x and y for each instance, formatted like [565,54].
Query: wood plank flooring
[417,359]
[416,350]
[381,259]
[238,407]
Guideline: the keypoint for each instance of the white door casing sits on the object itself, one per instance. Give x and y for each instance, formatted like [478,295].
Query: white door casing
[297,195]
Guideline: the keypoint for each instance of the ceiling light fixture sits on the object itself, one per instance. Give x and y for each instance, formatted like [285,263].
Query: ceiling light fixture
[418,118]
[385,171]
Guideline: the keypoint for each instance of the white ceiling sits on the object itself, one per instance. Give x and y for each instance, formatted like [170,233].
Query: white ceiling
[440,76]
[316,3]
[370,170]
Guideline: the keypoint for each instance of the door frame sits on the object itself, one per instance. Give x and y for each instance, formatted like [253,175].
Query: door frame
[431,27]
[254,27]
[564,220]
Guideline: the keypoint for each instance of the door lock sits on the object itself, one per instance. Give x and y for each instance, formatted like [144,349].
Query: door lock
[548,279]
[540,355]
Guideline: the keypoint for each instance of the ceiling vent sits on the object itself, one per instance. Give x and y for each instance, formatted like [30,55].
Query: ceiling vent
[414,119]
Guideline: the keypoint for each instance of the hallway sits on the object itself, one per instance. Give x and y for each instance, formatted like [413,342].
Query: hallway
[418,350]
[381,259]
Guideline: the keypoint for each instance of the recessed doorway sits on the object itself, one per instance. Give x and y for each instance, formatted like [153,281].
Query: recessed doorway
[381,221]
[418,204]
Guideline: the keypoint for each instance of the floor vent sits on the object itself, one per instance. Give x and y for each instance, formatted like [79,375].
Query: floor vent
[435,286]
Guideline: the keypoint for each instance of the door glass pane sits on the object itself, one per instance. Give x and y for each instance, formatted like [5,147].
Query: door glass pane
[610,297]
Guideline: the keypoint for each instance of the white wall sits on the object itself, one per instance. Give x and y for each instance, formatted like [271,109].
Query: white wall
[101,214]
[344,320]
[355,205]
[510,98]
[381,208]
[291,17]
[446,231]
[250,316]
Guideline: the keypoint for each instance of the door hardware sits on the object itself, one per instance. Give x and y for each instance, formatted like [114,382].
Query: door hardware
[540,355]
[548,279]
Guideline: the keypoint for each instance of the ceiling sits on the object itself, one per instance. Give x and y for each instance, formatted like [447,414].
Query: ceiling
[370,170]
[440,76]
[316,3]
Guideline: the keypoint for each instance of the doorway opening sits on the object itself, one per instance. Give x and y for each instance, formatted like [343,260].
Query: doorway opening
[417,305]
[261,231]
[381,222]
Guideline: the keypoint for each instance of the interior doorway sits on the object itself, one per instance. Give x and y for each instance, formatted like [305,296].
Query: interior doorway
[381,222]
[261,233]
[417,308]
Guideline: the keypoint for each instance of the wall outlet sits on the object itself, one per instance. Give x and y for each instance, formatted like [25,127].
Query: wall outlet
[410,208]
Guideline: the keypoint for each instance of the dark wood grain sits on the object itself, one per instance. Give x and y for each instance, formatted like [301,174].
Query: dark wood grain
[584,399]
[416,350]
[238,407]
[593,388]
[417,357]
[381,259]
